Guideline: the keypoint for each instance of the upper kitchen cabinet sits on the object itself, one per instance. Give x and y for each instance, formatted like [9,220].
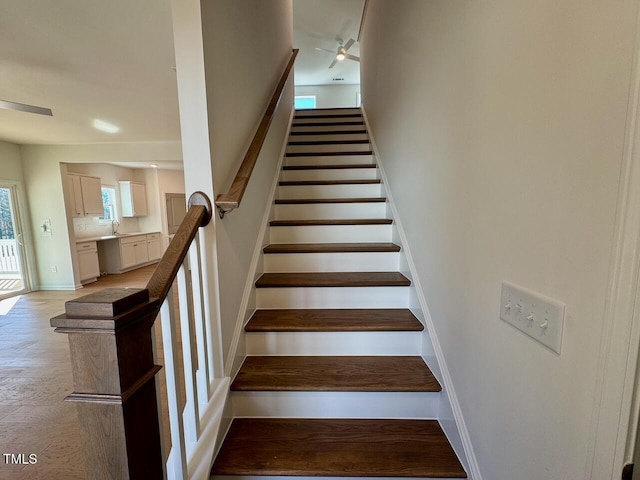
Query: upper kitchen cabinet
[86,195]
[134,199]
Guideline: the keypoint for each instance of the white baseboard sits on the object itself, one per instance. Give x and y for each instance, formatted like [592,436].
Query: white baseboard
[59,287]
[452,419]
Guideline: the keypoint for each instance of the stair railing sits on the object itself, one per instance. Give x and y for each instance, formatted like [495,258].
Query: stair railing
[231,200]
[112,343]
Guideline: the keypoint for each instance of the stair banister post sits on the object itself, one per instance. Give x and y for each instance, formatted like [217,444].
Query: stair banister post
[110,339]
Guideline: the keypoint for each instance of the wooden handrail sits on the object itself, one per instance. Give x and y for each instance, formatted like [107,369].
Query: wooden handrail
[113,366]
[231,200]
[198,215]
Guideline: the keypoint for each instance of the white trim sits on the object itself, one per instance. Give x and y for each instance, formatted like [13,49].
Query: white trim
[244,312]
[199,465]
[60,287]
[613,438]
[470,460]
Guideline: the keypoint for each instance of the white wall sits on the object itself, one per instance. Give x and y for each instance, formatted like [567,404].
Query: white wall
[331,96]
[500,126]
[246,48]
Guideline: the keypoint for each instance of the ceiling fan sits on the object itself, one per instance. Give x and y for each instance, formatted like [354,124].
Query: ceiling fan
[21,107]
[341,52]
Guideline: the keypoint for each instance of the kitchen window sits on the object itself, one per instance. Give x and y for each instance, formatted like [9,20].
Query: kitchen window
[109,204]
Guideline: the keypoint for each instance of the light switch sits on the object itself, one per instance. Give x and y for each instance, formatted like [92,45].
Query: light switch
[540,317]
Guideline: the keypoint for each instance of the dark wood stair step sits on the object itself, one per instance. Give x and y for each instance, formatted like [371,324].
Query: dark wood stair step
[300,201]
[330,247]
[329,167]
[304,183]
[337,221]
[335,374]
[330,132]
[328,109]
[330,115]
[328,142]
[332,279]
[337,447]
[334,320]
[327,124]
[329,154]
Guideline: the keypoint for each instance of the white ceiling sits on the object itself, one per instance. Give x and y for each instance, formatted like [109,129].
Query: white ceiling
[112,60]
[320,23]
[88,59]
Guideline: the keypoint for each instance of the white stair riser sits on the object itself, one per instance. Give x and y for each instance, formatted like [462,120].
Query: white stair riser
[321,138]
[334,343]
[302,121]
[328,128]
[332,174]
[314,112]
[350,147]
[333,297]
[365,190]
[324,211]
[329,160]
[331,234]
[332,262]
[410,405]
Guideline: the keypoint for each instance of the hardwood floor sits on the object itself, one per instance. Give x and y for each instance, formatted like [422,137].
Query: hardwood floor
[35,376]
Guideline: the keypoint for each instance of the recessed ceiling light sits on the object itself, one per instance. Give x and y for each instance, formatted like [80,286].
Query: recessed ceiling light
[105,126]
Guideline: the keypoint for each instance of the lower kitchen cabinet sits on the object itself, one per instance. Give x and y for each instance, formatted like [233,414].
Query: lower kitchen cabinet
[119,255]
[88,264]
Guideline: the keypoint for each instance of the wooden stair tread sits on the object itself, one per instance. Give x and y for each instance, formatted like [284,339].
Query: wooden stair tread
[334,320]
[328,142]
[330,132]
[337,447]
[330,115]
[304,183]
[330,247]
[324,109]
[337,221]
[328,154]
[335,374]
[326,124]
[298,201]
[332,279]
[329,167]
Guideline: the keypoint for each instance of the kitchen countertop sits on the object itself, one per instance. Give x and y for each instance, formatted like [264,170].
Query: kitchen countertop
[111,237]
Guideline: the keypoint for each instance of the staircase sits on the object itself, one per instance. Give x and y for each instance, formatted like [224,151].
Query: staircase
[334,384]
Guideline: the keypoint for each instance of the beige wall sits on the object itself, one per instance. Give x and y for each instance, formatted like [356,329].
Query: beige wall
[331,96]
[10,165]
[246,47]
[500,126]
[44,185]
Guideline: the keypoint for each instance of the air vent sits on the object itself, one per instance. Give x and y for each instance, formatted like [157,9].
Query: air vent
[338,79]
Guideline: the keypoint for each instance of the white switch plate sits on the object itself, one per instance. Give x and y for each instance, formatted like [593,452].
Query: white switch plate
[540,317]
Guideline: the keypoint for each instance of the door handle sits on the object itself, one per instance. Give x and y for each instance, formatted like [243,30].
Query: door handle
[19,239]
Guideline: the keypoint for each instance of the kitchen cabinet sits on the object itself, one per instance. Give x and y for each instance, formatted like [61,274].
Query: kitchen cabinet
[88,264]
[154,247]
[134,199]
[86,196]
[127,252]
